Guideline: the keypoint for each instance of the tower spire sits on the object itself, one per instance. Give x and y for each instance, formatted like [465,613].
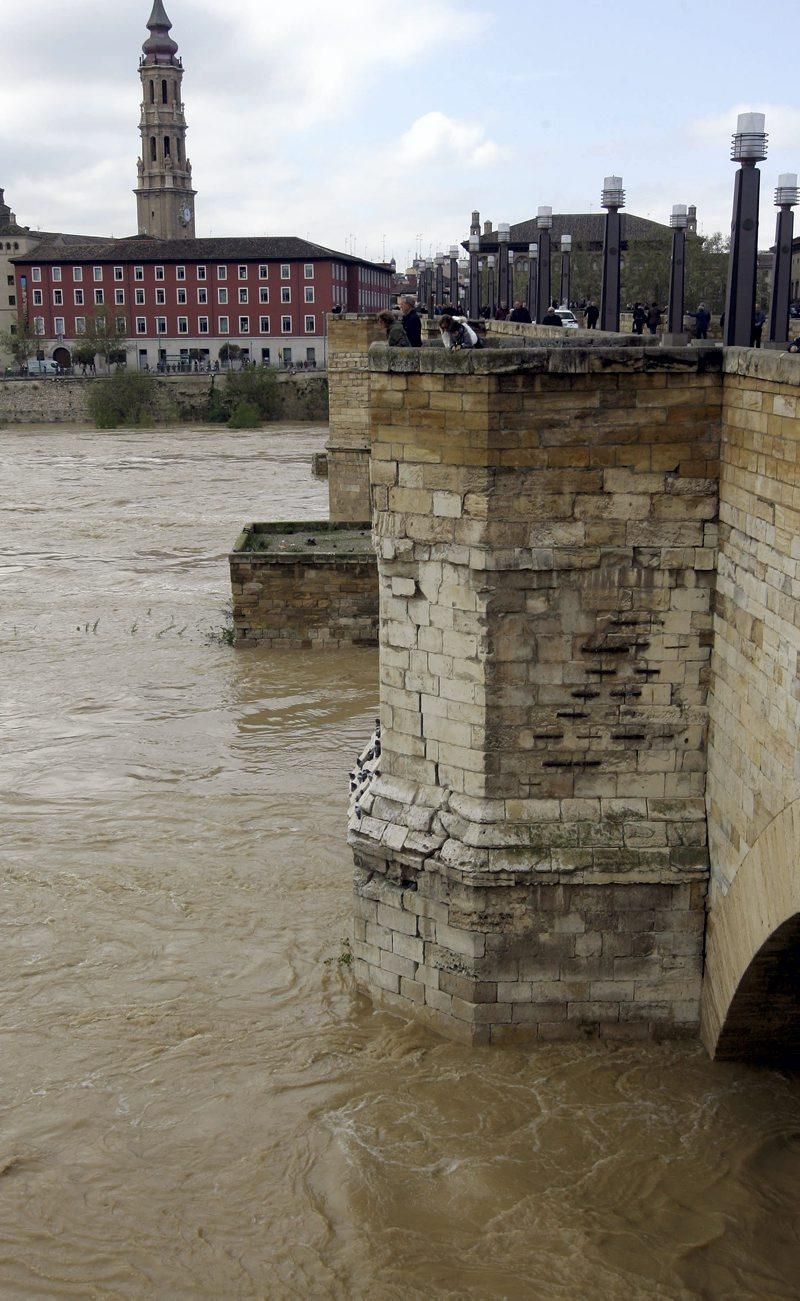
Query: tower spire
[159,46]
[164,194]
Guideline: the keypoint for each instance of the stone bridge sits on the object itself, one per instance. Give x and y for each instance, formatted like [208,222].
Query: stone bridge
[587,811]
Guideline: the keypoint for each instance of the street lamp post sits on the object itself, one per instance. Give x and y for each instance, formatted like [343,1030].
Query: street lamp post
[440,279]
[511,260]
[490,262]
[474,306]
[612,199]
[786,196]
[454,276]
[422,281]
[748,148]
[566,249]
[544,220]
[679,220]
[503,237]
[533,280]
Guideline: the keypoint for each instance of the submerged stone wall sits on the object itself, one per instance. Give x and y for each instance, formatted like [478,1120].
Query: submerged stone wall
[304,586]
[532,860]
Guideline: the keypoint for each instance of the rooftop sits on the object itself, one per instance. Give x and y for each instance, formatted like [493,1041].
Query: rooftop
[142,248]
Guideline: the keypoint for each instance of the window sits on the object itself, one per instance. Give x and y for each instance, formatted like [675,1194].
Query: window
[222,296]
[153,150]
[159,273]
[38,324]
[119,297]
[242,295]
[182,297]
[80,324]
[37,298]
[98,297]
[202,296]
[58,324]
[202,325]
[286,294]
[97,273]
[138,273]
[12,302]
[77,275]
[163,90]
[242,273]
[308,271]
[201,273]
[286,325]
[36,275]
[222,273]
[141,325]
[263,295]
[311,325]
[58,297]
[223,325]
[308,293]
[161,297]
[57,275]
[139,294]
[183,325]
[121,325]
[284,271]
[180,273]
[244,324]
[264,324]
[161,325]
[263,271]
[119,274]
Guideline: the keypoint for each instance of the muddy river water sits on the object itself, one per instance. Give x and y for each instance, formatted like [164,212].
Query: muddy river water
[193,1102]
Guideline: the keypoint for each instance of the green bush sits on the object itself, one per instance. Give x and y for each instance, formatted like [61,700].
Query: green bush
[245,415]
[124,398]
[257,386]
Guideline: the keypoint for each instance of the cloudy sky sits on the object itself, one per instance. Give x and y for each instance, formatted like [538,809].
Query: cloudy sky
[370,125]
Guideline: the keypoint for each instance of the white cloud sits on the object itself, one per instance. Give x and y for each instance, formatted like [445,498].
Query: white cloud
[437,140]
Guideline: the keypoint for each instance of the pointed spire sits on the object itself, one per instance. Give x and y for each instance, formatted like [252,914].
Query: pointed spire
[159,46]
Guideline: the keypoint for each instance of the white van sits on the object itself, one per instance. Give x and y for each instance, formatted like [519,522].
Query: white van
[34,367]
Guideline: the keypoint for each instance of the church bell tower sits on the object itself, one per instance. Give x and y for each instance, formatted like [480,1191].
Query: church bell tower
[164,194]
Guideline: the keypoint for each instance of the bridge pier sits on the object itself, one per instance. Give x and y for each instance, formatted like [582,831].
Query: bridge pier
[531,862]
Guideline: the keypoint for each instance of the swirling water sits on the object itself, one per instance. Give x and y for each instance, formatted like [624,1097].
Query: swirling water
[193,1101]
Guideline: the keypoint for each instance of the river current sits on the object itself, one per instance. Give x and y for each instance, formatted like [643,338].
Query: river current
[193,1100]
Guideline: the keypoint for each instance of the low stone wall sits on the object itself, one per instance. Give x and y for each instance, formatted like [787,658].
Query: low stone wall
[62,400]
[304,586]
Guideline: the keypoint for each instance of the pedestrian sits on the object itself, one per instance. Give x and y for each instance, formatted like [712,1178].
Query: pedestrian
[592,313]
[501,312]
[551,317]
[702,320]
[759,320]
[520,313]
[410,321]
[653,318]
[485,313]
[396,336]
[639,318]
[457,334]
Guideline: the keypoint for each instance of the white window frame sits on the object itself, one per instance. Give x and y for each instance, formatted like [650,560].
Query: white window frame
[286,293]
[77,275]
[36,275]
[141,325]
[224,324]
[264,325]
[242,272]
[244,297]
[244,324]
[222,273]
[308,293]
[202,295]
[58,298]
[312,329]
[159,272]
[38,325]
[286,271]
[308,271]
[119,273]
[38,299]
[222,296]
[202,325]
[182,301]
[77,294]
[58,325]
[80,325]
[97,274]
[201,273]
[119,297]
[263,271]
[161,325]
[161,298]
[180,273]
[139,296]
[99,298]
[183,325]
[263,294]
[138,273]
[286,325]
[56,273]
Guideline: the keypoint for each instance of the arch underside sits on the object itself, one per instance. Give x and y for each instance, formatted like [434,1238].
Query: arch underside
[763,1021]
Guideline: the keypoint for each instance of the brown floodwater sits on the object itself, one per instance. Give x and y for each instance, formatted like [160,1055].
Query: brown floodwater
[193,1101]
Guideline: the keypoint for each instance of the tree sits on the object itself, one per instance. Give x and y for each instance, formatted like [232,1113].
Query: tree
[230,352]
[102,339]
[22,343]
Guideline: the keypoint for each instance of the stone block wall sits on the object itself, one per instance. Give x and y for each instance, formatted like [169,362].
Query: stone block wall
[349,339]
[304,586]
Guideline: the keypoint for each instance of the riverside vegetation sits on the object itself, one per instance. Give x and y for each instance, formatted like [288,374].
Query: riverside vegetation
[244,400]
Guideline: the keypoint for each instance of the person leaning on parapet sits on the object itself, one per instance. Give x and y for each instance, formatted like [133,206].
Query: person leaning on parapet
[501,312]
[702,320]
[456,333]
[410,321]
[520,313]
[653,318]
[396,336]
[793,345]
[592,313]
[551,317]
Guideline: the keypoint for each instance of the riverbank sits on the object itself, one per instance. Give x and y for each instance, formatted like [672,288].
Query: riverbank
[62,399]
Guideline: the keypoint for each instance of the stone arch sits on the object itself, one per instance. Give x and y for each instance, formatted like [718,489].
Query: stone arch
[751,990]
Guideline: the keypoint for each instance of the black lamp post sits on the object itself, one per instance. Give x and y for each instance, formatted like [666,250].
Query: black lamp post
[679,220]
[490,262]
[474,306]
[453,285]
[749,147]
[566,249]
[503,237]
[440,279]
[533,280]
[544,220]
[612,199]
[786,196]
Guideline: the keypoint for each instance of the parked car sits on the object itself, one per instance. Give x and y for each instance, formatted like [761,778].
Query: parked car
[568,318]
[35,367]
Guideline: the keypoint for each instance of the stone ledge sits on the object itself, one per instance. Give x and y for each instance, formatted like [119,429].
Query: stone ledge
[763,364]
[567,359]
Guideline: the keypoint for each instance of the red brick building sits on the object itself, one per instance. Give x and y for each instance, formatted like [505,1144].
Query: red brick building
[168,299]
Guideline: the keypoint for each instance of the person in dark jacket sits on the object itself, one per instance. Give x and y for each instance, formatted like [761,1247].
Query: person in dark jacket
[411,322]
[520,313]
[551,317]
[759,321]
[653,318]
[501,312]
[639,318]
[396,336]
[592,313]
[702,320]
